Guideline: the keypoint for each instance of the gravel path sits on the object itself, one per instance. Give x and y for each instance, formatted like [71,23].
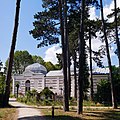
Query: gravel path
[26,112]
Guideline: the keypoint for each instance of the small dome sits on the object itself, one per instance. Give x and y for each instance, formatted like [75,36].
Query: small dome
[36,68]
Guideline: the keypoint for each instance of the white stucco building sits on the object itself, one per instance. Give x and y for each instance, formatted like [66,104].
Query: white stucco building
[36,77]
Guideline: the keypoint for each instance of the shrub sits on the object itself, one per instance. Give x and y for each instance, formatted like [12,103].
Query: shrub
[103,94]
[73,102]
[2,83]
[2,87]
[46,93]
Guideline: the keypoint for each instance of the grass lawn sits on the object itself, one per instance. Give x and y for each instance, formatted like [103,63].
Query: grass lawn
[88,114]
[8,113]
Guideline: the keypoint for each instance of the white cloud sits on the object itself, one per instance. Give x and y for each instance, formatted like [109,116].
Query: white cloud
[96,43]
[107,10]
[92,13]
[50,54]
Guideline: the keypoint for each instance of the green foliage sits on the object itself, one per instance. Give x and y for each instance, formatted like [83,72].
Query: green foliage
[86,75]
[49,66]
[90,103]
[1,65]
[32,93]
[21,60]
[103,94]
[116,80]
[22,99]
[47,23]
[34,98]
[46,102]
[72,102]
[45,29]
[38,59]
[29,98]
[2,88]
[2,83]
[60,59]
[12,96]
[46,93]
[17,83]
[58,67]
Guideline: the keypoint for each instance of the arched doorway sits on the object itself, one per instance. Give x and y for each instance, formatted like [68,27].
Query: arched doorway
[27,86]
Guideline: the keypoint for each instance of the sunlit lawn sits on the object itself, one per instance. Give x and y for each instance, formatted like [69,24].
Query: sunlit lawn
[88,114]
[8,113]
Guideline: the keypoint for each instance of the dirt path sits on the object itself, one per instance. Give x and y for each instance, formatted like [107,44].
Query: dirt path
[26,112]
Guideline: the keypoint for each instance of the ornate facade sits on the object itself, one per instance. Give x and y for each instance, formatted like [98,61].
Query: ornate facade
[36,77]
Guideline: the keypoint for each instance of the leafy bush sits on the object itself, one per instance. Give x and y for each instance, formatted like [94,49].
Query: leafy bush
[2,87]
[116,75]
[12,96]
[45,97]
[2,83]
[46,93]
[73,102]
[103,94]
[22,99]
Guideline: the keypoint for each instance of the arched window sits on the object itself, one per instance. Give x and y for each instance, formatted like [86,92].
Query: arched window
[27,86]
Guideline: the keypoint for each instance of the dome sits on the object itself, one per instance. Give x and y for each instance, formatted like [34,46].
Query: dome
[36,68]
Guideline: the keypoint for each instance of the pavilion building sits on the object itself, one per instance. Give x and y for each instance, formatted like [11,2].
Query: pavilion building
[36,77]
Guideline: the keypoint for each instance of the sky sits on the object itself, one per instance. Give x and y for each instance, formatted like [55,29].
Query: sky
[25,41]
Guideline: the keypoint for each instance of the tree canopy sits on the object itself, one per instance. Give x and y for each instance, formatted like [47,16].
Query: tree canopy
[23,58]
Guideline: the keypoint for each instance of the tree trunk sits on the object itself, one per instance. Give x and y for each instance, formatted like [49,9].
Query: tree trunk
[65,90]
[66,107]
[75,75]
[91,76]
[81,59]
[116,32]
[68,70]
[67,48]
[114,103]
[11,55]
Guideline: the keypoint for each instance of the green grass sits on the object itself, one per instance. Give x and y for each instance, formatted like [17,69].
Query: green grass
[85,103]
[91,114]
[72,102]
[7,113]
[91,103]
[59,115]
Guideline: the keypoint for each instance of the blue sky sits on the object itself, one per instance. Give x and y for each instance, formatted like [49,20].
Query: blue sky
[24,40]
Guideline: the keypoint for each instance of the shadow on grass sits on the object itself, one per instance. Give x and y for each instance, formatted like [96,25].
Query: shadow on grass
[62,117]
[107,115]
[25,107]
[49,118]
[32,118]
[91,115]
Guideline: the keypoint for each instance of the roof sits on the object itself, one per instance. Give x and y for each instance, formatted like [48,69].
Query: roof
[55,73]
[100,71]
[95,71]
[36,68]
